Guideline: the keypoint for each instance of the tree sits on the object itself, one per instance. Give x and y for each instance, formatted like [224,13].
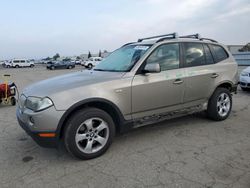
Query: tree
[245,48]
[89,55]
[47,59]
[100,53]
[55,57]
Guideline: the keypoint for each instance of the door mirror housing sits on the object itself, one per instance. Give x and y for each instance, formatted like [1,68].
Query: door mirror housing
[152,68]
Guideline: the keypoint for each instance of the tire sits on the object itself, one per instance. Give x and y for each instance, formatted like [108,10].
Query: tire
[17,66]
[31,66]
[97,140]
[13,101]
[220,104]
[70,67]
[90,66]
[8,66]
[52,68]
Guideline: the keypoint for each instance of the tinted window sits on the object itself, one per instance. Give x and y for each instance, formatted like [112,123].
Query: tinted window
[208,55]
[167,56]
[15,61]
[22,61]
[194,54]
[219,53]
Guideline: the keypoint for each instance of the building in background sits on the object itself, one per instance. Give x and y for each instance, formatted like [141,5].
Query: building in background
[242,58]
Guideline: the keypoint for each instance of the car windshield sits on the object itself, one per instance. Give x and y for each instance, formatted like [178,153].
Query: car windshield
[122,59]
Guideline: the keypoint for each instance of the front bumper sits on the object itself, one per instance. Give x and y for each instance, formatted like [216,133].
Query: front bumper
[41,141]
[244,82]
[43,122]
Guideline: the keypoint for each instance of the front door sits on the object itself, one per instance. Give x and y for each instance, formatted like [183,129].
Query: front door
[155,93]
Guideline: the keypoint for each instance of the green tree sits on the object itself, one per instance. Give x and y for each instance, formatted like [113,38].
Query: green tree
[89,55]
[55,57]
[245,48]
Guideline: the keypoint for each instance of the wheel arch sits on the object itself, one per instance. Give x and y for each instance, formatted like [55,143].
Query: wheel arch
[100,103]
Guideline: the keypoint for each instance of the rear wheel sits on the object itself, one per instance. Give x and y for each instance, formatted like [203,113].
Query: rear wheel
[90,66]
[89,133]
[70,67]
[220,104]
[52,68]
[17,66]
[13,101]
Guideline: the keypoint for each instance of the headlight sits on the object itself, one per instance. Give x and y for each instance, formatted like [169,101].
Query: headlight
[244,73]
[38,104]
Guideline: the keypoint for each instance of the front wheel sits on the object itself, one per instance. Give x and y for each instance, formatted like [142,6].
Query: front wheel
[220,104]
[89,133]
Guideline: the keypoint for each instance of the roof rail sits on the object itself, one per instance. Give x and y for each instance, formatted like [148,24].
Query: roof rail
[170,35]
[212,40]
[196,36]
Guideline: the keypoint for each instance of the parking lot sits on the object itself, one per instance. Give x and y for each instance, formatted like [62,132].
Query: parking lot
[191,151]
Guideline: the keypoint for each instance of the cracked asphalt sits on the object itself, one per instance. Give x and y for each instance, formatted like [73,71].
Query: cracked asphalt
[188,152]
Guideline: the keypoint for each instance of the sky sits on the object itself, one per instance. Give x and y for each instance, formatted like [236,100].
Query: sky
[41,28]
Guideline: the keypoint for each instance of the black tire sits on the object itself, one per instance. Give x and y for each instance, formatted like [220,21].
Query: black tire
[31,66]
[90,66]
[17,66]
[212,110]
[8,66]
[73,125]
[52,68]
[13,101]
[70,67]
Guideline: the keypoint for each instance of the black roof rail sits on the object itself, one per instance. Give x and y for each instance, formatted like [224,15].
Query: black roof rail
[212,40]
[195,36]
[170,35]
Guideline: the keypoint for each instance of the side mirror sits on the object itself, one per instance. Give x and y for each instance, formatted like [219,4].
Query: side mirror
[152,68]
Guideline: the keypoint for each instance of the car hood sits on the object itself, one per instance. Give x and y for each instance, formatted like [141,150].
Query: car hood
[69,81]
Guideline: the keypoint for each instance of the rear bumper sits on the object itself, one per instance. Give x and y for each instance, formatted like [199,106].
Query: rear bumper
[41,141]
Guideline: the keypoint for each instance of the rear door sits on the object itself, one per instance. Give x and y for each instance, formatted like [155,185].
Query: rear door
[199,71]
[155,93]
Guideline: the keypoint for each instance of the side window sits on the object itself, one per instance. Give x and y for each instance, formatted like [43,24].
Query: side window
[194,54]
[22,61]
[219,53]
[167,55]
[15,61]
[208,54]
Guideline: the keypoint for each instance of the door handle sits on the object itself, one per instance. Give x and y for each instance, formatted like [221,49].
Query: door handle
[178,81]
[214,75]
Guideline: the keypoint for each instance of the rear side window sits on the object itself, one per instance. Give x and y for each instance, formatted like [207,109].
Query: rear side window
[219,53]
[208,55]
[194,54]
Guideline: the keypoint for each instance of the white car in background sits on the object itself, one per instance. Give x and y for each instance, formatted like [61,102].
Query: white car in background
[91,62]
[245,79]
[17,63]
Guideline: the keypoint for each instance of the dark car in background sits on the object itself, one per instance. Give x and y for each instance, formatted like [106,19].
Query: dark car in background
[60,65]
